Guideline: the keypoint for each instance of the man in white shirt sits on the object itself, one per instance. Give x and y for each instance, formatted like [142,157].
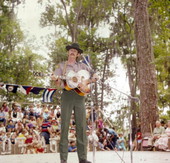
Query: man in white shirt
[38,110]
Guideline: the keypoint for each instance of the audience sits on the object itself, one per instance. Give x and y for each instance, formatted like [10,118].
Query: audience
[38,124]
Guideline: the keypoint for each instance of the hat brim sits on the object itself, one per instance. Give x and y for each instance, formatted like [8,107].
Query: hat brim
[68,47]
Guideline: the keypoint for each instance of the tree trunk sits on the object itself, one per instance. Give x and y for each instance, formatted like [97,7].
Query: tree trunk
[146,67]
[103,79]
[73,27]
[132,86]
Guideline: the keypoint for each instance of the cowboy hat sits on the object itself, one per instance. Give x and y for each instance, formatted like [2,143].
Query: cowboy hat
[74,46]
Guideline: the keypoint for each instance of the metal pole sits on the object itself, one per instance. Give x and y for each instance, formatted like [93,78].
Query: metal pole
[130,98]
[130,132]
[93,125]
[106,118]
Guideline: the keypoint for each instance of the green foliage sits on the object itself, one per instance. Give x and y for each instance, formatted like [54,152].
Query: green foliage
[48,17]
[166,116]
[58,51]
[17,63]
[18,69]
[86,21]
[160,18]
[9,29]
[160,23]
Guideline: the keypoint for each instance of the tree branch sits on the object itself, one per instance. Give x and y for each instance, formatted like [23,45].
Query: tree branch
[67,19]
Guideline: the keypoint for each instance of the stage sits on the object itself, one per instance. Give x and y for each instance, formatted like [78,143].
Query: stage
[100,157]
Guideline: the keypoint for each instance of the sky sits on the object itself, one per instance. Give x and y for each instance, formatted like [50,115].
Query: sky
[29,16]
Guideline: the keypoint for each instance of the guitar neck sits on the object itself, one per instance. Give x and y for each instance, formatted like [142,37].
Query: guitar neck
[55,77]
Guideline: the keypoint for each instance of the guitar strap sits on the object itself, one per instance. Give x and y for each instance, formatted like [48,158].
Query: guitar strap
[64,69]
[64,73]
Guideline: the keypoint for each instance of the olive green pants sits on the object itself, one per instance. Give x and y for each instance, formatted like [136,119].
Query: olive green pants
[70,101]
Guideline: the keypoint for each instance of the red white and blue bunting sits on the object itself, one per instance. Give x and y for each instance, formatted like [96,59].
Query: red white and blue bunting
[14,88]
[47,95]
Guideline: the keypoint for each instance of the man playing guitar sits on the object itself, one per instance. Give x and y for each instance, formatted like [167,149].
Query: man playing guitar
[72,98]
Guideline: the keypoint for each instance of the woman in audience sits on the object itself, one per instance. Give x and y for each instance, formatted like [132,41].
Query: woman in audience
[19,127]
[10,126]
[2,127]
[5,107]
[15,114]
[2,116]
[162,142]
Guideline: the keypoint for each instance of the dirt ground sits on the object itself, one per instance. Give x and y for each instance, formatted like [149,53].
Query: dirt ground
[97,157]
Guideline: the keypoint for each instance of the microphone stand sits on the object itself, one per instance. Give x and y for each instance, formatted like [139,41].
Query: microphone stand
[130,98]
[121,158]
[93,126]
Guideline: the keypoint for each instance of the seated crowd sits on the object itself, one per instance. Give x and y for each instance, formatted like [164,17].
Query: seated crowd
[38,123]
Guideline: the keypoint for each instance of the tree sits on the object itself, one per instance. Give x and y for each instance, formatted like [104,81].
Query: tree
[146,68]
[123,31]
[9,27]
[160,19]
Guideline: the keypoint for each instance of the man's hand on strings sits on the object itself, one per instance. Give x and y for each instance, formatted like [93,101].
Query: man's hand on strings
[56,79]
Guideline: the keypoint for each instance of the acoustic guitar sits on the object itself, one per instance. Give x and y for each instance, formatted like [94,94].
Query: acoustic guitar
[77,81]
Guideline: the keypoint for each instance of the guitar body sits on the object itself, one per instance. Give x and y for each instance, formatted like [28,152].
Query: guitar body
[72,79]
[79,82]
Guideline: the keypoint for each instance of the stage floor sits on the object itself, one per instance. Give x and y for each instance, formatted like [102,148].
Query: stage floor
[100,157]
